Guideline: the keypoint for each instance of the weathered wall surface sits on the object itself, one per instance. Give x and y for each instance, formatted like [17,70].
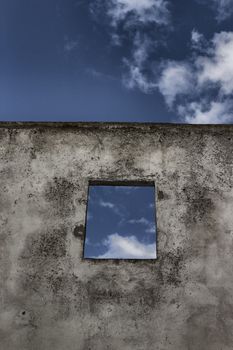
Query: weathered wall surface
[53,299]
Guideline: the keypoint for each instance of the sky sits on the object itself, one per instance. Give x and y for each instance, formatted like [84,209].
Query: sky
[120,223]
[116,60]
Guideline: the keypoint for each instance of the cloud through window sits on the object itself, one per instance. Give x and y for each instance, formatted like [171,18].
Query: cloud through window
[120,222]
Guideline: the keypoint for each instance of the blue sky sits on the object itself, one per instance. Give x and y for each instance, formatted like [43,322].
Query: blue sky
[121,223]
[117,60]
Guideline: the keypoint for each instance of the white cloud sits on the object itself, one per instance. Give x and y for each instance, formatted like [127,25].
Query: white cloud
[196,36]
[223,8]
[151,229]
[116,39]
[89,216]
[142,46]
[142,220]
[133,13]
[106,204]
[112,207]
[87,241]
[150,226]
[204,81]
[136,79]
[213,113]
[198,41]
[176,79]
[99,75]
[217,66]
[127,247]
[199,88]
[130,18]
[142,11]
[137,64]
[70,45]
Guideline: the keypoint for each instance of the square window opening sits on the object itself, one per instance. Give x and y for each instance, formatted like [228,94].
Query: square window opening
[120,221]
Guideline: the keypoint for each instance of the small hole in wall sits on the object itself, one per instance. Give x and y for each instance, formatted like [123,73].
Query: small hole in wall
[120,222]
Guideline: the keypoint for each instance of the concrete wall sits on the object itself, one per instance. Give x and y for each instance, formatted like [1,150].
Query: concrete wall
[53,299]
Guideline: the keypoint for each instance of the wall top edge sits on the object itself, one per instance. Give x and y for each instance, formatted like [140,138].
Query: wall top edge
[110,125]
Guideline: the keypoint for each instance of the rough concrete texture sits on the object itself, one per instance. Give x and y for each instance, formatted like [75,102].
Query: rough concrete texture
[53,299]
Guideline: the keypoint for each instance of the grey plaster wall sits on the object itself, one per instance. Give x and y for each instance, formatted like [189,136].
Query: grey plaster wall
[53,299]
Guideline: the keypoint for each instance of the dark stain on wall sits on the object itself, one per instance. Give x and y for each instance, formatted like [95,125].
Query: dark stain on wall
[79,231]
[59,193]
